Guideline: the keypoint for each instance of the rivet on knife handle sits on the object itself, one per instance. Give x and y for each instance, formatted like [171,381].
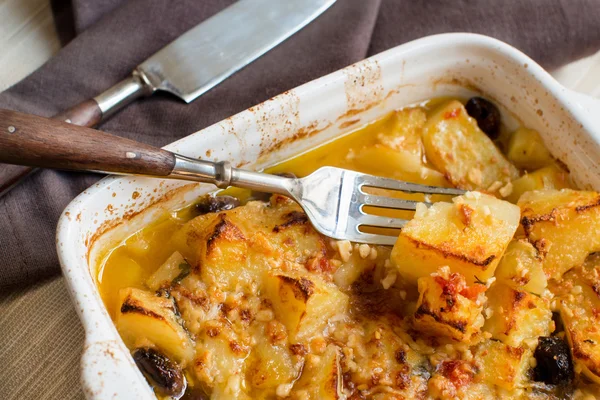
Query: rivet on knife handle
[47,143]
[87,113]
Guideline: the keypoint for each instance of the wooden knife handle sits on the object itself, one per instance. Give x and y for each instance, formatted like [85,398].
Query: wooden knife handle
[87,114]
[41,142]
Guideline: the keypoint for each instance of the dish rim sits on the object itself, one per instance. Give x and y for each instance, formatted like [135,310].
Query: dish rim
[103,351]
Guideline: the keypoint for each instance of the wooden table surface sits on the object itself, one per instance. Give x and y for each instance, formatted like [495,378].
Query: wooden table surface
[27,38]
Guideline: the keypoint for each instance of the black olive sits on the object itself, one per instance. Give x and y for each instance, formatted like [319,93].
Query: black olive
[211,204]
[559,326]
[260,196]
[163,374]
[195,393]
[287,175]
[486,114]
[554,364]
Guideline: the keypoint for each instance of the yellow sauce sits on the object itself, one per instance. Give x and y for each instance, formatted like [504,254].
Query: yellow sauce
[130,264]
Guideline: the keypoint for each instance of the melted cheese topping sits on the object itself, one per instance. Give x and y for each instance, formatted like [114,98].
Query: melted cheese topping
[253,303]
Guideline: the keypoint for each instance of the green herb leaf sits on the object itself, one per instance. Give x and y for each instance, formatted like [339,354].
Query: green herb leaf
[185,269]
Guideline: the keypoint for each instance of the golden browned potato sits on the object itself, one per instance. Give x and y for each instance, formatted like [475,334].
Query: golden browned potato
[399,152]
[448,307]
[357,260]
[304,303]
[455,379]
[516,316]
[550,177]
[321,377]
[502,365]
[526,150]
[388,361]
[405,137]
[224,253]
[385,161]
[270,365]
[462,152]
[563,226]
[175,268]
[144,317]
[238,246]
[468,235]
[220,360]
[293,237]
[578,303]
[521,268]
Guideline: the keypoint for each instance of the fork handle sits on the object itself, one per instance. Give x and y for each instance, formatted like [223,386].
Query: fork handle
[87,114]
[41,142]
[47,143]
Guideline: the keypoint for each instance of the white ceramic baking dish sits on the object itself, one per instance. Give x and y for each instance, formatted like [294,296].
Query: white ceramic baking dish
[294,122]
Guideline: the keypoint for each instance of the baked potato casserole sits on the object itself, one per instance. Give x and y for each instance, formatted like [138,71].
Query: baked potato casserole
[493,294]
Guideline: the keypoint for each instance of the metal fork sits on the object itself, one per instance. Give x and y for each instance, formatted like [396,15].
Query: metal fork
[333,198]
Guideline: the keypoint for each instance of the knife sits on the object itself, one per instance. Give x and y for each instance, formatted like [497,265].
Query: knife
[194,63]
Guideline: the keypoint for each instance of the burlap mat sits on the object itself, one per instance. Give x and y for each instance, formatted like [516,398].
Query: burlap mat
[42,341]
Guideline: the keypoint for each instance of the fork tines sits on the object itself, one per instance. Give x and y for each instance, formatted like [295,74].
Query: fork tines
[392,184]
[367,199]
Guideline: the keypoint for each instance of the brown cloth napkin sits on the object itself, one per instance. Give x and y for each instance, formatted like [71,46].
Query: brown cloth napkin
[113,36]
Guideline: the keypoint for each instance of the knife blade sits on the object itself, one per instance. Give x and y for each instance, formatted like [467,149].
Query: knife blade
[195,62]
[207,54]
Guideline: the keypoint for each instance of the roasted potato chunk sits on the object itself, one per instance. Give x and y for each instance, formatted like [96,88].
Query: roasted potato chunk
[526,150]
[454,379]
[187,239]
[405,137]
[321,377]
[171,271]
[521,268]
[220,356]
[448,307]
[462,152]
[304,303]
[502,365]
[550,177]
[144,316]
[238,246]
[223,254]
[468,235]
[579,302]
[563,225]
[270,365]
[387,360]
[292,236]
[516,316]
[401,165]
[399,152]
